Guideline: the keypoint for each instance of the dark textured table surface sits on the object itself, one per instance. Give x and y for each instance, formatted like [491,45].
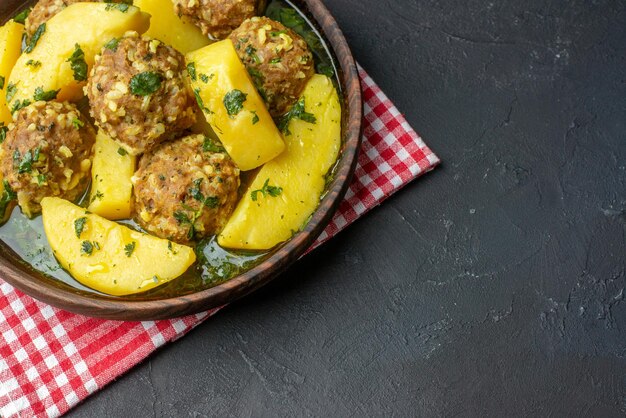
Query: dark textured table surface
[492,286]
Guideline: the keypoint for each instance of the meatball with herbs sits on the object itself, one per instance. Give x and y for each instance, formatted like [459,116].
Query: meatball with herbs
[47,152]
[137,94]
[278,60]
[217,18]
[185,189]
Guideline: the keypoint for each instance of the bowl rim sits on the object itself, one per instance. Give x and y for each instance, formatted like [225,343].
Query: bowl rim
[21,278]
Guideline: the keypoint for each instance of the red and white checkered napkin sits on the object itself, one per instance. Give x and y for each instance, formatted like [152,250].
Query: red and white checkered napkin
[51,359]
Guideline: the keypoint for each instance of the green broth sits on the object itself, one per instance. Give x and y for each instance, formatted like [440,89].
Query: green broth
[215,265]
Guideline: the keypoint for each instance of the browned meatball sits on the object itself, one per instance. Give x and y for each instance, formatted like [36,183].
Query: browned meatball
[47,152]
[277,58]
[217,18]
[185,189]
[137,93]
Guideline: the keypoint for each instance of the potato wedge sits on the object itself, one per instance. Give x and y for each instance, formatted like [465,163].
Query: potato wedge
[232,106]
[111,186]
[47,66]
[287,190]
[167,27]
[109,257]
[10,49]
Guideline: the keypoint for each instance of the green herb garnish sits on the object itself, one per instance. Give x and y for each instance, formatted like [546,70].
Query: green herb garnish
[7,196]
[46,96]
[296,112]
[266,190]
[20,105]
[79,225]
[3,132]
[121,151]
[112,44]
[210,145]
[191,69]
[33,63]
[21,16]
[25,163]
[275,60]
[87,247]
[205,78]
[32,43]
[255,118]
[196,92]
[77,123]
[2,80]
[122,7]
[11,91]
[233,102]
[78,64]
[129,248]
[146,83]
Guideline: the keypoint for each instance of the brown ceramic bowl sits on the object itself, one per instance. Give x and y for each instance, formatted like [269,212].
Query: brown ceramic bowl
[23,277]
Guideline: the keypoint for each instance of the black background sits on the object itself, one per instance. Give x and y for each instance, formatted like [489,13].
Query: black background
[491,286]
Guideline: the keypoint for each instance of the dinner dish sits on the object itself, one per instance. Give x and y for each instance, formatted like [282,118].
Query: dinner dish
[256,268]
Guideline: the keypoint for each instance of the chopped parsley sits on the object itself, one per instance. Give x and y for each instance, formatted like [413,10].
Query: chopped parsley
[205,78]
[122,7]
[233,101]
[11,91]
[77,123]
[87,247]
[112,44]
[46,96]
[266,190]
[146,83]
[210,145]
[33,63]
[1,82]
[20,105]
[325,69]
[78,64]
[21,16]
[79,225]
[3,132]
[171,247]
[121,151]
[183,218]
[275,60]
[196,93]
[98,196]
[25,163]
[32,43]
[255,118]
[296,112]
[251,52]
[7,196]
[191,69]
[129,248]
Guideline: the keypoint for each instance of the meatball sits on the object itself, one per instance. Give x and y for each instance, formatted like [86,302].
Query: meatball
[277,58]
[137,94]
[217,18]
[47,152]
[185,189]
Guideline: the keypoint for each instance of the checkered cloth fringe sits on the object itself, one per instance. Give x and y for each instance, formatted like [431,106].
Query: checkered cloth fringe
[52,359]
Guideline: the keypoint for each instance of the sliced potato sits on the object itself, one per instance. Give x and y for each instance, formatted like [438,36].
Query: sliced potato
[89,25]
[287,190]
[167,27]
[10,46]
[232,106]
[109,257]
[111,172]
